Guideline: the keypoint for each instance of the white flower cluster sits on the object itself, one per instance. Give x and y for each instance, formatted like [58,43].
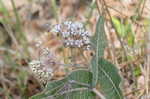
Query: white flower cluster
[43,74]
[43,68]
[73,34]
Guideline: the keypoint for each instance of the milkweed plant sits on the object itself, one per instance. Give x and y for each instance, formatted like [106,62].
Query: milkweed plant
[99,79]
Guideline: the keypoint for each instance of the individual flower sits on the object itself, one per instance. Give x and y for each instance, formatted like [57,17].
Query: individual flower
[57,28]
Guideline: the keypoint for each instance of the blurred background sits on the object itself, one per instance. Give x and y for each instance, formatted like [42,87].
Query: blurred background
[24,22]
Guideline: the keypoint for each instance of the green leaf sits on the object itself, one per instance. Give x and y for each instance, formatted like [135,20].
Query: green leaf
[55,84]
[83,94]
[81,78]
[130,34]
[51,88]
[146,22]
[109,80]
[39,96]
[99,42]
[120,28]
[124,30]
[3,9]
[137,71]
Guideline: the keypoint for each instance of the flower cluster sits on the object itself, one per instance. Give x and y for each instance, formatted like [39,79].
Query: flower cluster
[43,74]
[73,34]
[44,67]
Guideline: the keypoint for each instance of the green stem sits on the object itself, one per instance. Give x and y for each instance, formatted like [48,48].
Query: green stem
[54,6]
[20,35]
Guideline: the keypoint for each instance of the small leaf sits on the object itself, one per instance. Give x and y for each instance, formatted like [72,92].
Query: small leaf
[130,34]
[137,71]
[146,22]
[120,28]
[109,80]
[99,42]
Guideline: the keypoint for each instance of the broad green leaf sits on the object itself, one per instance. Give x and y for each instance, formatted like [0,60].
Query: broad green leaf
[54,84]
[109,80]
[82,79]
[82,76]
[83,94]
[95,71]
[42,95]
[51,88]
[99,42]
